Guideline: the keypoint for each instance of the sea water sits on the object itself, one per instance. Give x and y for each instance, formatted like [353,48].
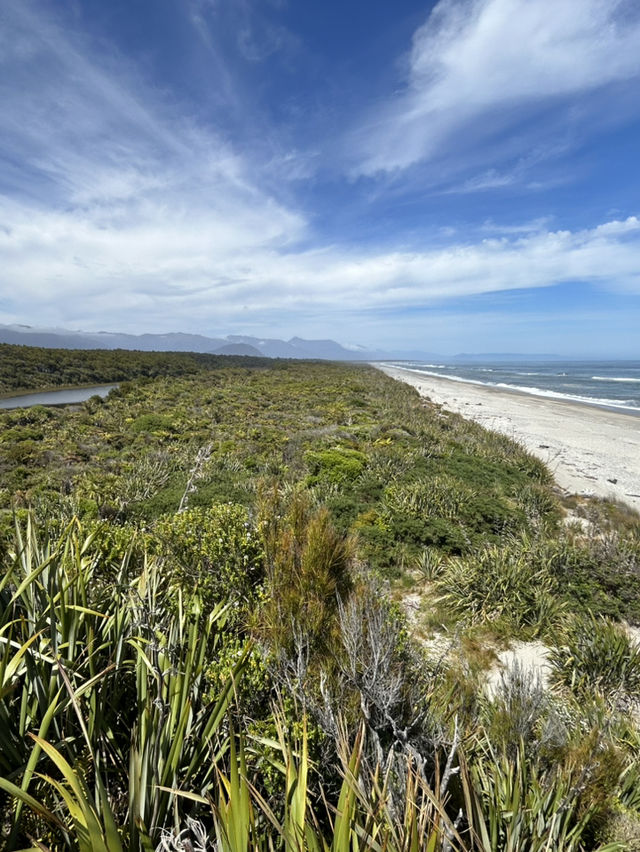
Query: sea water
[610,384]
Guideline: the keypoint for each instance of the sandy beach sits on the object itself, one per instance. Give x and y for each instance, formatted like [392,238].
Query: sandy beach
[590,450]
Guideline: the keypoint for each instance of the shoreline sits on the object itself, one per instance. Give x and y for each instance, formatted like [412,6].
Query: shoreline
[591,450]
[626,410]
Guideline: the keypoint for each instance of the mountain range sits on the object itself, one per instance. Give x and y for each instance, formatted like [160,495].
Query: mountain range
[235,344]
[232,344]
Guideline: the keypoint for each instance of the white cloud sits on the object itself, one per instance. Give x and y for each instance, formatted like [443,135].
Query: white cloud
[113,198]
[177,269]
[535,225]
[126,214]
[490,179]
[498,59]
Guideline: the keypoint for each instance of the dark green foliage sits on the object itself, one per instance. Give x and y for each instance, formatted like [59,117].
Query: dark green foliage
[532,580]
[152,423]
[34,368]
[602,573]
[508,584]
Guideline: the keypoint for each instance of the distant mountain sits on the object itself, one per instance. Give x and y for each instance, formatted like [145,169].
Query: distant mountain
[297,347]
[233,344]
[59,338]
[270,347]
[238,349]
[240,344]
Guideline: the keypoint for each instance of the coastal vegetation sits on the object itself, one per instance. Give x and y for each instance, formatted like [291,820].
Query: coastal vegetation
[25,368]
[252,605]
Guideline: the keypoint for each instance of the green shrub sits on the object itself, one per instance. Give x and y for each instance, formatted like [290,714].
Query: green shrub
[503,583]
[152,423]
[215,550]
[21,433]
[597,654]
[600,574]
[337,465]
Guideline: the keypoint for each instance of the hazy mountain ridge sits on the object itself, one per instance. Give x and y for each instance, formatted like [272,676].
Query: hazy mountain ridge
[61,338]
[236,344]
[296,347]
[239,349]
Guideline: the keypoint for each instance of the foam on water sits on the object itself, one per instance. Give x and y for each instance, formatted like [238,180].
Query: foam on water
[614,379]
[580,382]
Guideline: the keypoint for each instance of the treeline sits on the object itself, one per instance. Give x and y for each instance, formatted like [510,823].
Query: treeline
[34,368]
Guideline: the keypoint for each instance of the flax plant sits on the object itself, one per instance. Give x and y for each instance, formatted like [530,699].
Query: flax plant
[515,805]
[104,700]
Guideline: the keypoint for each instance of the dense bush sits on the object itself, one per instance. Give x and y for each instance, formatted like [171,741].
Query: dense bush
[213,434]
[337,465]
[507,584]
[202,618]
[215,551]
[35,368]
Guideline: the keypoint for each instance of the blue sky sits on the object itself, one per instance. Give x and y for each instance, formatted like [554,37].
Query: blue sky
[457,176]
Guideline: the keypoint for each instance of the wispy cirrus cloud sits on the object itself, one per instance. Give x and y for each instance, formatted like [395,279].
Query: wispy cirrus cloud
[111,194]
[479,70]
[256,36]
[119,209]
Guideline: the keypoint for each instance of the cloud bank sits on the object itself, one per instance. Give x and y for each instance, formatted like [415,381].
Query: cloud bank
[159,262]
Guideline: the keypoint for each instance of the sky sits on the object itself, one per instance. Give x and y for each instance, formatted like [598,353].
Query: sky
[453,176]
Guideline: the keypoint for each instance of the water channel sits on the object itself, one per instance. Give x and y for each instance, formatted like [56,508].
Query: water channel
[55,397]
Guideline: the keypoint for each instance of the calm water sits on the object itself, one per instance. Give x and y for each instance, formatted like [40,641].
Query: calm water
[613,384]
[61,397]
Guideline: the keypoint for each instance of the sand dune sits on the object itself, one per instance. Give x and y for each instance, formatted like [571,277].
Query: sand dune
[590,450]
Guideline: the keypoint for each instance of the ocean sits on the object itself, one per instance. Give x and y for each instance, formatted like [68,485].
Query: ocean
[610,384]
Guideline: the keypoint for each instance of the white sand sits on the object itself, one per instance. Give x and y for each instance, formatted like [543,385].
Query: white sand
[590,450]
[531,658]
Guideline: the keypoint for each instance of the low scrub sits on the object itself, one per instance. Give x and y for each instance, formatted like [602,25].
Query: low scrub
[199,648]
[598,654]
[506,585]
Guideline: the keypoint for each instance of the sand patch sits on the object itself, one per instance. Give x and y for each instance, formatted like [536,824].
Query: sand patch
[531,658]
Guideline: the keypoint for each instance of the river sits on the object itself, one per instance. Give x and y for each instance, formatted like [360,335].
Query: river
[55,397]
